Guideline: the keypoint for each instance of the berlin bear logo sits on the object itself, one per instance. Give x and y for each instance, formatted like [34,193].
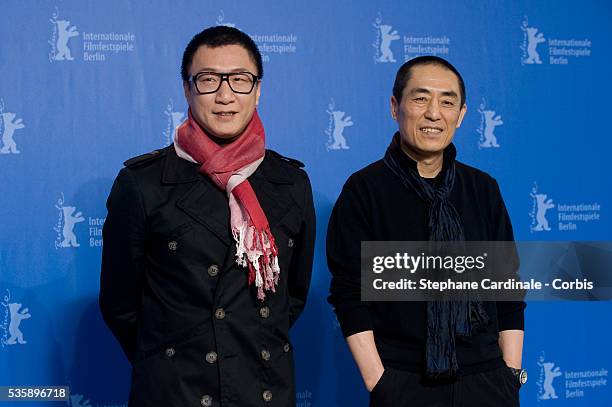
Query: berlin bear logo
[70,220]
[16,336]
[532,38]
[335,129]
[385,34]
[62,32]
[543,206]
[550,372]
[488,122]
[491,121]
[64,226]
[385,45]
[8,125]
[538,213]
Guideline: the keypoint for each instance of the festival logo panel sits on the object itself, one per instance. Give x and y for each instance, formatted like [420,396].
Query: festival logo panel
[69,43]
[538,48]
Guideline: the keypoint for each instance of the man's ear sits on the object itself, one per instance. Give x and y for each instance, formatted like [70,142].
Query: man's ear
[257,93]
[462,113]
[394,107]
[186,89]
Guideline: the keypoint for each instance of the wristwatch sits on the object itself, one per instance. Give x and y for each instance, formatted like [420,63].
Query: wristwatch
[520,374]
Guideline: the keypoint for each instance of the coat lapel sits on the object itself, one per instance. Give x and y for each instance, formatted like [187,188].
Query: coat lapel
[266,183]
[203,202]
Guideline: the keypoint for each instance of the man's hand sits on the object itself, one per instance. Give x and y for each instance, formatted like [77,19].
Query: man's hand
[366,356]
[370,384]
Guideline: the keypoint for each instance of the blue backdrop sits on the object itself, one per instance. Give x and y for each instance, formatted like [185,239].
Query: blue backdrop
[85,85]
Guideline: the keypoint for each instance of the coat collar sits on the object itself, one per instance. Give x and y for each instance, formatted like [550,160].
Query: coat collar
[179,171]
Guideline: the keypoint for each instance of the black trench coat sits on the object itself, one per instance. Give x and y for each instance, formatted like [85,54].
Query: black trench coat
[173,296]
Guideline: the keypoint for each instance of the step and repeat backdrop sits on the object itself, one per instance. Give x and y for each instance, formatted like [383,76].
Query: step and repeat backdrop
[85,85]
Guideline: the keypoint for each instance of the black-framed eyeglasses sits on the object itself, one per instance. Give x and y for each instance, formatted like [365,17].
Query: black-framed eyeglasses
[210,82]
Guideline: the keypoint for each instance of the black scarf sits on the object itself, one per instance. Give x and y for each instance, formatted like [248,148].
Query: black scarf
[445,319]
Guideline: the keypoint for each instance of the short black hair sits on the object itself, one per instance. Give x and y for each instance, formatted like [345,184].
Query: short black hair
[219,36]
[405,71]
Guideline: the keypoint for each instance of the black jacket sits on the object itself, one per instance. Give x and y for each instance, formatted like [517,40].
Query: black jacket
[375,205]
[175,299]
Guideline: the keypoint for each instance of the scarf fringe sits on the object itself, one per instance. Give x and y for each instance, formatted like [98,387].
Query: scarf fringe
[256,250]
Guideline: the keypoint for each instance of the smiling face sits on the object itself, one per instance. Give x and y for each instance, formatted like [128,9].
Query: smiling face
[223,114]
[429,111]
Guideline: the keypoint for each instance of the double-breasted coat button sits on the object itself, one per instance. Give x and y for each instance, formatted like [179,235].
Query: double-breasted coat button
[290,242]
[206,401]
[170,352]
[267,395]
[265,354]
[220,313]
[172,245]
[213,270]
[264,312]
[286,347]
[211,357]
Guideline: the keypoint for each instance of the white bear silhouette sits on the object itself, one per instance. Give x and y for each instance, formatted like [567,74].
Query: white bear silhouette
[385,45]
[491,121]
[16,318]
[340,122]
[9,145]
[69,222]
[543,206]
[64,34]
[549,376]
[534,38]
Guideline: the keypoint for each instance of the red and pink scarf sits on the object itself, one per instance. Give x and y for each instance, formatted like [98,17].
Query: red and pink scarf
[229,167]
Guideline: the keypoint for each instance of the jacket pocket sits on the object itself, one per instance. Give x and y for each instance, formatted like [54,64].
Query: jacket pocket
[153,378]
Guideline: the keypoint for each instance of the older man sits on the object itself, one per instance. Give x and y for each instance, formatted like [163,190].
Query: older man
[461,353]
[208,245]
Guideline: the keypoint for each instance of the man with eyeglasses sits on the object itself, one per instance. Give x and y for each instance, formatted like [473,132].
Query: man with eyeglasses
[208,245]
